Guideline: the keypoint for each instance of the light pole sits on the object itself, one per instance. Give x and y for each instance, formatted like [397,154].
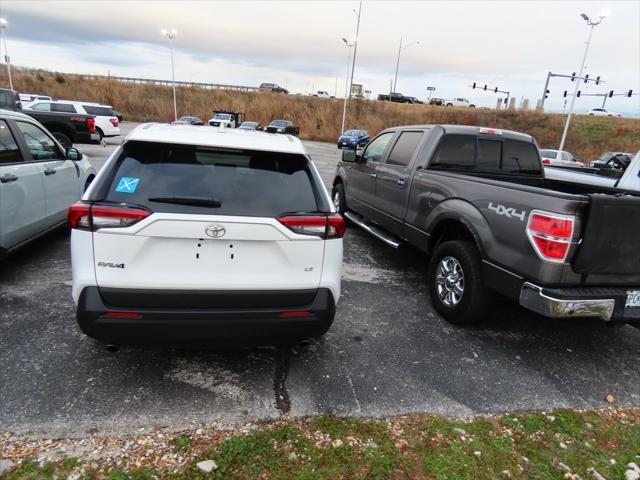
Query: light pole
[355,49]
[171,35]
[3,25]
[346,87]
[400,48]
[592,24]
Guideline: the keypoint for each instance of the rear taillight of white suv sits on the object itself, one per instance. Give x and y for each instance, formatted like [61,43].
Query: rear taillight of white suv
[324,226]
[114,122]
[83,216]
[550,234]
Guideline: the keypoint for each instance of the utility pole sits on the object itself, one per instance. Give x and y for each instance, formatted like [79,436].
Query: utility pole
[575,91]
[3,26]
[346,84]
[395,80]
[355,48]
[171,35]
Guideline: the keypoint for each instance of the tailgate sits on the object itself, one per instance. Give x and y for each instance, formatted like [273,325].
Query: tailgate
[176,252]
[610,238]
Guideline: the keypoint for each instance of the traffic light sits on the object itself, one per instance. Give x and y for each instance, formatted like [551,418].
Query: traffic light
[546,94]
[578,95]
[474,85]
[629,93]
[610,93]
[586,78]
[485,87]
[573,76]
[598,80]
[564,94]
[496,90]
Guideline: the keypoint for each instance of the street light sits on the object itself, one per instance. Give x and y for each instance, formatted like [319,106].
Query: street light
[592,23]
[171,35]
[349,44]
[400,48]
[3,25]
[353,43]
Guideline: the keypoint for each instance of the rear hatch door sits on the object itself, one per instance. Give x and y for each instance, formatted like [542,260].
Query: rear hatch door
[212,224]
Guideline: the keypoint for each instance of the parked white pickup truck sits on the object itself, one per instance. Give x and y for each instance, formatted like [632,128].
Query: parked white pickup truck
[629,181]
[459,102]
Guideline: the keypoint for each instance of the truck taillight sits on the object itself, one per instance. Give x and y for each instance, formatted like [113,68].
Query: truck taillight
[83,216]
[550,235]
[114,122]
[325,226]
[91,124]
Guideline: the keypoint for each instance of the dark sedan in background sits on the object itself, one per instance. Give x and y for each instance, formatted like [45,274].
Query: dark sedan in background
[188,121]
[353,139]
[283,126]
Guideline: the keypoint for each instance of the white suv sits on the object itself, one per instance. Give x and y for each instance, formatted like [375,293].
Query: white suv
[107,123]
[206,236]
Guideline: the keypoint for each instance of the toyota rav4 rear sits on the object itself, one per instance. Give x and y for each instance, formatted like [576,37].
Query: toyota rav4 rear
[215,237]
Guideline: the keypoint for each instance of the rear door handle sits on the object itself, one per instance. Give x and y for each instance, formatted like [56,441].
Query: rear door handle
[373,175]
[401,181]
[8,178]
[50,171]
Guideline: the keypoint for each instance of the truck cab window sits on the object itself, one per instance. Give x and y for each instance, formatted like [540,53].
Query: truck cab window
[455,151]
[520,157]
[489,155]
[375,150]
[404,148]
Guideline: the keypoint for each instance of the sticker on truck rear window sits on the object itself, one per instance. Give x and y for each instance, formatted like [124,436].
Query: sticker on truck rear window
[127,185]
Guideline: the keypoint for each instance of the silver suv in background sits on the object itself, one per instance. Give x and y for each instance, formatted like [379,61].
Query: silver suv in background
[38,180]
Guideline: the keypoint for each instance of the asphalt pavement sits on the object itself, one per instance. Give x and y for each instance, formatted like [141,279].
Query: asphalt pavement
[387,353]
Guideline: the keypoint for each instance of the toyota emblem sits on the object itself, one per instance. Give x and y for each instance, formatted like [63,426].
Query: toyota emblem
[215,231]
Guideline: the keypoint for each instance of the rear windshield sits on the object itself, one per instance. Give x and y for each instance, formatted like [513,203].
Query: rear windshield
[101,111]
[246,183]
[548,153]
[489,155]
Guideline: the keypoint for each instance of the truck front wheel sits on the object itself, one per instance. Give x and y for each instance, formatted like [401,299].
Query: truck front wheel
[455,283]
[339,198]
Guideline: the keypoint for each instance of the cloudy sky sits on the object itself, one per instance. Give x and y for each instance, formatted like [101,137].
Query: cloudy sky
[297,44]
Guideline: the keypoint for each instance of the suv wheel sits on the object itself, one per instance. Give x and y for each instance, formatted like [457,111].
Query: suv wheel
[100,133]
[455,283]
[339,199]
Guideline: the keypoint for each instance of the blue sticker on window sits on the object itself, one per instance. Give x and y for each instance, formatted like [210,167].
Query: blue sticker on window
[127,185]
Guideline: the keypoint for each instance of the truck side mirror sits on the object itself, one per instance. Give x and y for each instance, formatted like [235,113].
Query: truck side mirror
[350,155]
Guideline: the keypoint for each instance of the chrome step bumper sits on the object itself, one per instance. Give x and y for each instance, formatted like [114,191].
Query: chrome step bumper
[535,299]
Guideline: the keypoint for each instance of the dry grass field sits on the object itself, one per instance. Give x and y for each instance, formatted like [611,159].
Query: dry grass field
[319,119]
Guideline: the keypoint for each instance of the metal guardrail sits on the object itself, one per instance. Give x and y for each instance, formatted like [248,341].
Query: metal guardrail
[155,81]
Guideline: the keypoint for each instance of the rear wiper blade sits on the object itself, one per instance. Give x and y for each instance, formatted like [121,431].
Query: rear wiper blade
[195,201]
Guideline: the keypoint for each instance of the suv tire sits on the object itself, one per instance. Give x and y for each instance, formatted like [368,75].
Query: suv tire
[455,283]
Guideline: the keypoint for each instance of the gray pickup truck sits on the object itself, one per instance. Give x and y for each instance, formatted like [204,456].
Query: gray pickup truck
[477,201]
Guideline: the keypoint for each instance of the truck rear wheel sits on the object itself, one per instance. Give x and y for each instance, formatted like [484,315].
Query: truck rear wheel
[63,139]
[455,283]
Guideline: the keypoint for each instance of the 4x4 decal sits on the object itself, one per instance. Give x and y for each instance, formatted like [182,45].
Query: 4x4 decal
[508,212]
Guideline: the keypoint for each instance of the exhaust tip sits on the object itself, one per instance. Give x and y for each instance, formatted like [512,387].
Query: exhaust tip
[112,347]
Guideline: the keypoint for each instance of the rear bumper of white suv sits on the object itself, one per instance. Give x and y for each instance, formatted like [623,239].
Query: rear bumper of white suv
[204,318]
